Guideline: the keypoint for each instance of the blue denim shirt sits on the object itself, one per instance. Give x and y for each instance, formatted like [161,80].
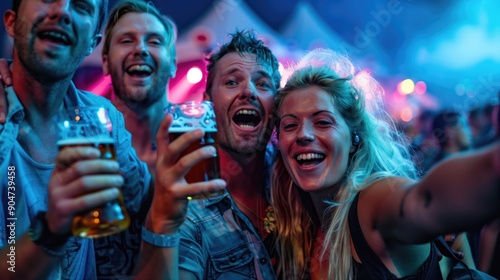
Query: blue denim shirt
[115,255]
[219,242]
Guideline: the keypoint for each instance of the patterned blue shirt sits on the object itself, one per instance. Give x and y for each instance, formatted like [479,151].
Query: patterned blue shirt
[219,242]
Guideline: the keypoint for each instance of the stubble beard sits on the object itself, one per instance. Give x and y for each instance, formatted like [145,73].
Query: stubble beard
[148,96]
[250,144]
[49,69]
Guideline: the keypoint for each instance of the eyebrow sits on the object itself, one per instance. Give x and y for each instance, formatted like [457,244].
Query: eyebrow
[148,34]
[264,74]
[314,114]
[232,70]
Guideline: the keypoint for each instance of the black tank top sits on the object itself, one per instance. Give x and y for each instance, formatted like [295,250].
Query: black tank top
[371,267]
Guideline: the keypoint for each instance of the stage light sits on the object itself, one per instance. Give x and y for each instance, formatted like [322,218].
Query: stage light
[406,114]
[194,75]
[101,86]
[420,87]
[406,86]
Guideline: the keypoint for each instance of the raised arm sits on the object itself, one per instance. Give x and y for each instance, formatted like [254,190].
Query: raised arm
[169,206]
[460,193]
[76,185]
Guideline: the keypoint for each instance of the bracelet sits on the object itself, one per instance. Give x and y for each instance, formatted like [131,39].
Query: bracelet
[160,240]
[52,243]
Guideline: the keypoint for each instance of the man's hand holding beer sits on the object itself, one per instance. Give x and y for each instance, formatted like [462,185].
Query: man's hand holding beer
[81,181]
[169,206]
[171,191]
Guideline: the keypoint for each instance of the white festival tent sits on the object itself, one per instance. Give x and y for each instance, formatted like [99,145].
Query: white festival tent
[213,29]
[306,30]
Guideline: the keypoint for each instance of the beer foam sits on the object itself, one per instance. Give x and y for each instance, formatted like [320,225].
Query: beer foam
[71,130]
[185,124]
[85,141]
[189,116]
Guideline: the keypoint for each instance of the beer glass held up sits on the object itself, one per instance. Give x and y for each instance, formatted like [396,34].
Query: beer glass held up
[91,126]
[189,116]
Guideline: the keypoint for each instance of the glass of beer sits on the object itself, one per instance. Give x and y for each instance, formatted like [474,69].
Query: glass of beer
[189,116]
[91,127]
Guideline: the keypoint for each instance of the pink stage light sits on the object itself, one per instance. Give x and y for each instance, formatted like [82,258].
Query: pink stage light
[420,87]
[102,86]
[180,92]
[406,114]
[194,75]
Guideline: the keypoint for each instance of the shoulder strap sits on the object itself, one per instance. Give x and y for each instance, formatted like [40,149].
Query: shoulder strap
[446,251]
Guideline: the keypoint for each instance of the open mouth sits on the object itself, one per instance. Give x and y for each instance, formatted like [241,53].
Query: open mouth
[308,159]
[247,118]
[139,70]
[55,36]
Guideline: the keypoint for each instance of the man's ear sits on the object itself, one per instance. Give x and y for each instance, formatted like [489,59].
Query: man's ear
[94,43]
[9,19]
[206,96]
[105,70]
[173,68]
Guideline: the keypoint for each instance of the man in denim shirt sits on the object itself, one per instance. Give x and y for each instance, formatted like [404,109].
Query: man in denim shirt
[225,237]
[218,241]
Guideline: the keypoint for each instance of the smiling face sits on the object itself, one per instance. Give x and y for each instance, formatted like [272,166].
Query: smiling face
[51,38]
[242,92]
[314,139]
[139,60]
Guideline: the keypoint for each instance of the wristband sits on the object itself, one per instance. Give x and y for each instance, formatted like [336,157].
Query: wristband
[52,243]
[160,240]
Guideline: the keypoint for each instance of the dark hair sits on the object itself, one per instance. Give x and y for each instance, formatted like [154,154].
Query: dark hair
[138,6]
[426,115]
[15,5]
[244,42]
[444,119]
[103,12]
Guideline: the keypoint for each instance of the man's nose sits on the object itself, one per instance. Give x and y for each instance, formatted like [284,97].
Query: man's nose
[250,92]
[60,10]
[141,49]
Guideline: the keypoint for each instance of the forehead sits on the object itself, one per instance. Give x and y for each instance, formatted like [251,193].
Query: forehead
[98,11]
[139,23]
[96,3]
[246,62]
[307,100]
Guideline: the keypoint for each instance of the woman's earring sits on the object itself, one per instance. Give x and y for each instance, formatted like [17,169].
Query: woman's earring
[355,139]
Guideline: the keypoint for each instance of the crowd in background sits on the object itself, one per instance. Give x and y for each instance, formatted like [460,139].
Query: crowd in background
[436,134]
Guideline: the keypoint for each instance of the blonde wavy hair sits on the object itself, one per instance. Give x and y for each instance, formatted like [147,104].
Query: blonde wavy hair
[381,153]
